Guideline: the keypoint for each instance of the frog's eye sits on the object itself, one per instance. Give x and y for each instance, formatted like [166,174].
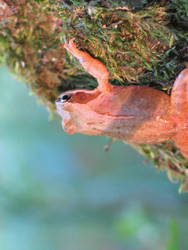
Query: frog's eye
[63,98]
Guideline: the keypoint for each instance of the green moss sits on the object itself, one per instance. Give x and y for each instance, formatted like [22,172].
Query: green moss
[165,156]
[143,43]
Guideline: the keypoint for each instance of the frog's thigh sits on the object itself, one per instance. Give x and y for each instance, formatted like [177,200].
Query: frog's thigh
[179,97]
[179,101]
[181,140]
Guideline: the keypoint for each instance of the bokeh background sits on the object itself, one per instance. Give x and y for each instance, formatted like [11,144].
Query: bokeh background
[64,192]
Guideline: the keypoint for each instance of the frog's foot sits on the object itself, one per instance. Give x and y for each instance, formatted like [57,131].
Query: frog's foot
[93,66]
[71,47]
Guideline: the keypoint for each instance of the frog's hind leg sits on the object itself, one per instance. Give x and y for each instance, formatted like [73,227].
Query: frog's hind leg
[179,100]
[179,97]
[93,66]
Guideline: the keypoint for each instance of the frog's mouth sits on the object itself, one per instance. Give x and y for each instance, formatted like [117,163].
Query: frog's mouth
[65,111]
[67,123]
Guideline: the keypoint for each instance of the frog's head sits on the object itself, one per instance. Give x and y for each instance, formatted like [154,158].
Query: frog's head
[72,107]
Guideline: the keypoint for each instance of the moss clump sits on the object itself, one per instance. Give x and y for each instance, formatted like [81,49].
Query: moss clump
[140,43]
[165,156]
[131,44]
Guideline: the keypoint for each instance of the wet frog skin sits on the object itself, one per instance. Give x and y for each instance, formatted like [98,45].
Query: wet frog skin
[137,114]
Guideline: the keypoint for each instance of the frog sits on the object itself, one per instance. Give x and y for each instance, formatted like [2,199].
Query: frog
[132,113]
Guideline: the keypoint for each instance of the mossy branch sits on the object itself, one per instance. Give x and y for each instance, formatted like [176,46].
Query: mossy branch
[140,43]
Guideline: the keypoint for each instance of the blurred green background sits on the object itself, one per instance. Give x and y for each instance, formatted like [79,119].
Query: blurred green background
[64,192]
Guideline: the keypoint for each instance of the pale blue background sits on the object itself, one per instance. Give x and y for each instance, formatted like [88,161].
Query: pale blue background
[63,192]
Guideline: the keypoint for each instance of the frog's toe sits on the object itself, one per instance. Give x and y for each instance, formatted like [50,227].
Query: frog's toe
[71,43]
[66,46]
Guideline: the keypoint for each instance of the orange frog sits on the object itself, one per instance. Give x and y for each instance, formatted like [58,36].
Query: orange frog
[137,114]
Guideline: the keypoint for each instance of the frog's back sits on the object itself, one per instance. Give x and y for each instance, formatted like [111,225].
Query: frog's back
[139,114]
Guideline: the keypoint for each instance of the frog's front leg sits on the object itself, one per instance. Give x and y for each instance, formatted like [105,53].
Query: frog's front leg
[179,100]
[94,67]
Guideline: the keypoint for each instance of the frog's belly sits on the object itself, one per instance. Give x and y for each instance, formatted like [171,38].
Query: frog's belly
[136,130]
[153,131]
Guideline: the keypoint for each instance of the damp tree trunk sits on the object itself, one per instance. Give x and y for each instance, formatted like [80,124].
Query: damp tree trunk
[140,43]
